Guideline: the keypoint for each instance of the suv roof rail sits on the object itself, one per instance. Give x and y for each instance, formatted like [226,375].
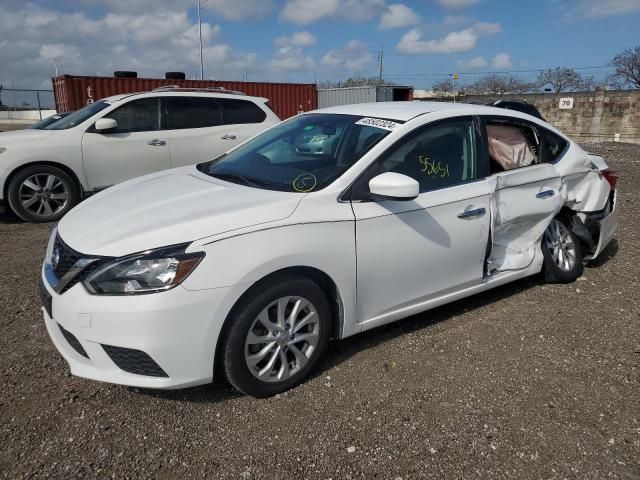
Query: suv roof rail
[177,88]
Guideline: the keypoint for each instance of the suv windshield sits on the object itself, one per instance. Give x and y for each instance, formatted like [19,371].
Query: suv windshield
[79,116]
[303,154]
[45,122]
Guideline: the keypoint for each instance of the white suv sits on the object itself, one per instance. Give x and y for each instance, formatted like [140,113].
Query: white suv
[45,172]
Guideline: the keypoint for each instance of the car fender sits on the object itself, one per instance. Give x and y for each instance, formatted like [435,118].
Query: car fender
[247,258]
[57,150]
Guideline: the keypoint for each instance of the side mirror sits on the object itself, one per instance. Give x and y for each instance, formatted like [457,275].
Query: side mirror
[103,125]
[394,186]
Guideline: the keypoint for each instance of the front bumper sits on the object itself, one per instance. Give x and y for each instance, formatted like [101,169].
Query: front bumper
[121,339]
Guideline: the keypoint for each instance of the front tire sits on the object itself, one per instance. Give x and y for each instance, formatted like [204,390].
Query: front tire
[562,253]
[276,337]
[42,193]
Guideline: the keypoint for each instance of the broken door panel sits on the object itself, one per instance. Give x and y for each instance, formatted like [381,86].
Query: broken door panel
[523,203]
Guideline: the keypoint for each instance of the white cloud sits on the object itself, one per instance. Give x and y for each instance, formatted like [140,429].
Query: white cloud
[150,43]
[291,59]
[229,9]
[605,8]
[238,9]
[398,15]
[453,42]
[304,12]
[456,3]
[298,39]
[456,21]
[354,57]
[486,28]
[475,63]
[502,60]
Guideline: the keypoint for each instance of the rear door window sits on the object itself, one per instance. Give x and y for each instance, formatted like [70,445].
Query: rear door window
[553,146]
[240,111]
[191,112]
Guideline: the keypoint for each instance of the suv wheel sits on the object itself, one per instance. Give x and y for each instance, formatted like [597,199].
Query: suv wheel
[277,337]
[42,193]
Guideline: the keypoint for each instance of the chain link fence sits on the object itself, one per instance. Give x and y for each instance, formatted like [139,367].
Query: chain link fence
[20,107]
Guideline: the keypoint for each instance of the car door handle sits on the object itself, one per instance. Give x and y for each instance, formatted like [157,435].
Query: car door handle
[545,194]
[228,137]
[476,212]
[156,142]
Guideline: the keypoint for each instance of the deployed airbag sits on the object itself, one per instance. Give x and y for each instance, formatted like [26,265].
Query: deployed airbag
[509,147]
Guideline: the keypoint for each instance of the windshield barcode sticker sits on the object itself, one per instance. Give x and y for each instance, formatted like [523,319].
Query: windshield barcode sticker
[379,123]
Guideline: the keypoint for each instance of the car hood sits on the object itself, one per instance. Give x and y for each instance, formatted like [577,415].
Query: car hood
[168,208]
[26,135]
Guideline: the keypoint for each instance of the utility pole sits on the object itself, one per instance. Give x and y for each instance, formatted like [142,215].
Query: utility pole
[454,77]
[200,3]
[380,60]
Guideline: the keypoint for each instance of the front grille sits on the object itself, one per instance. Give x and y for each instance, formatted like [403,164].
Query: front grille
[66,258]
[134,361]
[73,341]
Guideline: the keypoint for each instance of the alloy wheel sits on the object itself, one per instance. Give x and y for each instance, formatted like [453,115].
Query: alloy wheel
[43,194]
[561,245]
[282,339]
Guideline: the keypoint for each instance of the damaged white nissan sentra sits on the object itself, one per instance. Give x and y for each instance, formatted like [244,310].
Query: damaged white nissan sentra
[329,224]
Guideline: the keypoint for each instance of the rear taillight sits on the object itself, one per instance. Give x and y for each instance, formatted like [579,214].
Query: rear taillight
[611,176]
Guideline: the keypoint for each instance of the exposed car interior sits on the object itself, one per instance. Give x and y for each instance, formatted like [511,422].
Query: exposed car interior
[512,146]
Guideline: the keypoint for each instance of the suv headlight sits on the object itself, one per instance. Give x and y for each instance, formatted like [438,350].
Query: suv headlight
[148,272]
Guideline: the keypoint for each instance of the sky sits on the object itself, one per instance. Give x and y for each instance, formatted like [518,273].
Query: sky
[309,40]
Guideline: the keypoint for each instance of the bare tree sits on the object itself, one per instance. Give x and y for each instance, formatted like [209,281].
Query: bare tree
[589,84]
[627,65]
[443,86]
[498,85]
[561,79]
[355,82]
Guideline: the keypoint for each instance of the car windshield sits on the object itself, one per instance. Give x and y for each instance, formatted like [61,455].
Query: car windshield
[303,154]
[47,121]
[77,117]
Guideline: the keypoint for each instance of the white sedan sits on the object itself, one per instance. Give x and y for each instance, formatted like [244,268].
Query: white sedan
[327,225]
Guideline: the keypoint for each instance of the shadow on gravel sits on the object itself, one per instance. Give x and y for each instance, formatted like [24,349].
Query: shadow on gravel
[9,218]
[341,351]
[607,254]
[218,391]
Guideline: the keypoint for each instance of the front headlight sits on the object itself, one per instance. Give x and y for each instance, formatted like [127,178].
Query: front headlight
[52,240]
[3,149]
[148,272]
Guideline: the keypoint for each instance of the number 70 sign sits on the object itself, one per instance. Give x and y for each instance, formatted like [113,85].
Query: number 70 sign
[566,103]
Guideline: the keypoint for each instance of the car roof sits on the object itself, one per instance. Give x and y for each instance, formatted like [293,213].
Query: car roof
[166,93]
[404,111]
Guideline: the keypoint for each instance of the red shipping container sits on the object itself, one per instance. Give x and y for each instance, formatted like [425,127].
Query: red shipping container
[72,92]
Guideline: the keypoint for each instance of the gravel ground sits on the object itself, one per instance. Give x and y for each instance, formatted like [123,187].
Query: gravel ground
[526,381]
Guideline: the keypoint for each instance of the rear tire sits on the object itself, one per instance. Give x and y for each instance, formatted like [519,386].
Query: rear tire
[276,337]
[42,193]
[562,253]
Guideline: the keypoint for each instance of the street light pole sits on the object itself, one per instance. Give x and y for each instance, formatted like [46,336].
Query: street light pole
[199,3]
